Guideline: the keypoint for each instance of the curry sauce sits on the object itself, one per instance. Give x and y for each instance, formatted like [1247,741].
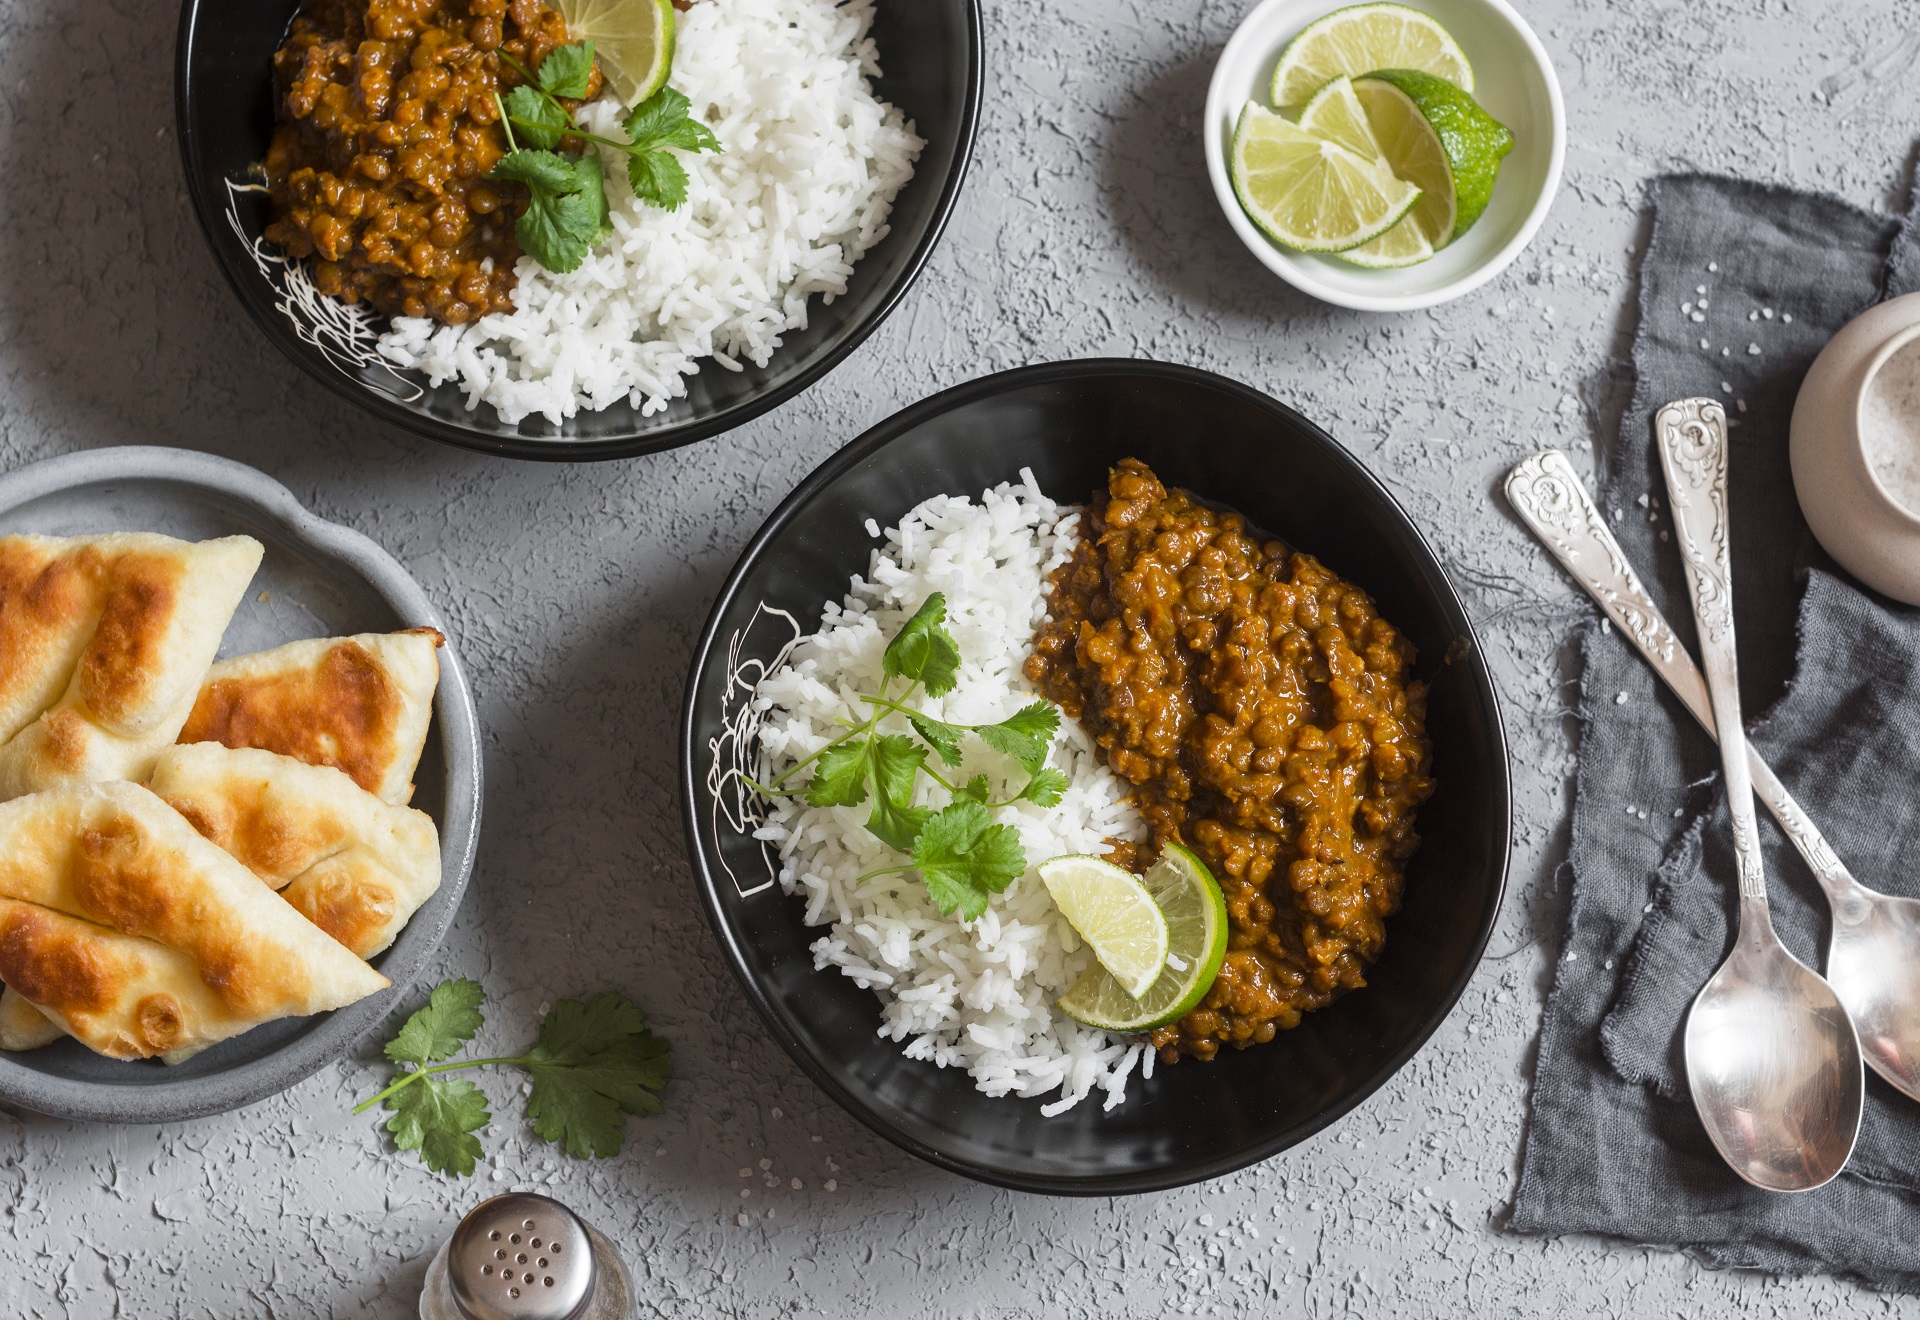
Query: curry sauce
[387,128]
[1264,714]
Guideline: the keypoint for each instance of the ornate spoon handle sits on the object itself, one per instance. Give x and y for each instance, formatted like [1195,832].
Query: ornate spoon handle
[1693,451]
[1546,492]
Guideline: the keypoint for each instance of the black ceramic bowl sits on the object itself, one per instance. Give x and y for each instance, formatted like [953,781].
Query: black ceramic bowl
[1229,444]
[224,104]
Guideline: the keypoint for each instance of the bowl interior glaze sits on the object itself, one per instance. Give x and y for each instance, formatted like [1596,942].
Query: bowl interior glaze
[224,107]
[1233,446]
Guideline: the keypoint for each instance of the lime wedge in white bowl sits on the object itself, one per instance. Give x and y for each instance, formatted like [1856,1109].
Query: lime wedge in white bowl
[1310,193]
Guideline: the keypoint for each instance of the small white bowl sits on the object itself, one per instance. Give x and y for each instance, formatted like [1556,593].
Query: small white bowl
[1516,85]
[1851,511]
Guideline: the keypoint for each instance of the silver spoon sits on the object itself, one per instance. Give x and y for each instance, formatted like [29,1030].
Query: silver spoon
[1772,1059]
[1873,952]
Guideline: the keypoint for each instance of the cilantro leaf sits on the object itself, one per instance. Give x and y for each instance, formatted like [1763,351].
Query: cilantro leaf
[449,1019]
[567,70]
[566,207]
[978,789]
[840,776]
[538,121]
[438,1119]
[653,122]
[924,650]
[593,186]
[964,857]
[1045,788]
[896,760]
[943,738]
[1025,735]
[540,171]
[594,1063]
[657,179]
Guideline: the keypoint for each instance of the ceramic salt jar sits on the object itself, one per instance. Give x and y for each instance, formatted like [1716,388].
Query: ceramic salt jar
[1856,447]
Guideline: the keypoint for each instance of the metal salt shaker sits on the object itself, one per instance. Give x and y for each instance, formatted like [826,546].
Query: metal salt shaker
[526,1257]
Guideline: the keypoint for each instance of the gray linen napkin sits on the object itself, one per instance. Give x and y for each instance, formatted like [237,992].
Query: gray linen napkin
[1613,1145]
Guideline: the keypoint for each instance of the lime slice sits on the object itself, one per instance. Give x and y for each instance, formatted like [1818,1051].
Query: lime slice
[632,42]
[1437,137]
[1196,914]
[1359,40]
[1114,913]
[1309,193]
[1336,114]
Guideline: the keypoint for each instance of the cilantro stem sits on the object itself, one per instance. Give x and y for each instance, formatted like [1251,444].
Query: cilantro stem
[408,1079]
[885,870]
[850,734]
[506,122]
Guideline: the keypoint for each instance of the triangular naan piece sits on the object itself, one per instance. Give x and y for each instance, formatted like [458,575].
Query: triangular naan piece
[353,865]
[104,641]
[138,937]
[359,704]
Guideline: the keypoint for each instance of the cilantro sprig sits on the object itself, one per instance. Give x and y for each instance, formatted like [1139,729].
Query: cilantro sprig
[961,854]
[567,212]
[593,1064]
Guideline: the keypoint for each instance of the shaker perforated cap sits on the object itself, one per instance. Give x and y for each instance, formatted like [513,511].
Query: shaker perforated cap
[521,1257]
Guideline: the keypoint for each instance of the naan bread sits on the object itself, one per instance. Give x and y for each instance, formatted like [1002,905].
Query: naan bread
[359,704]
[353,865]
[138,937]
[22,1026]
[104,641]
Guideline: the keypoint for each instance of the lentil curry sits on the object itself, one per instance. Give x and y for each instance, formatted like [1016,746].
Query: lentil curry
[387,129]
[1261,708]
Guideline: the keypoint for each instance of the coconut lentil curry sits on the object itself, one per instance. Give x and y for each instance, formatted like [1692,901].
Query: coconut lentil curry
[1262,710]
[387,129]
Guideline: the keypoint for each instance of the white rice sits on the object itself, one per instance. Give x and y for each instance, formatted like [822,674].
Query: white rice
[813,161]
[976,995]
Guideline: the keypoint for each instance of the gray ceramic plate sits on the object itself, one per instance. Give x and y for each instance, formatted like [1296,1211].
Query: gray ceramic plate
[318,579]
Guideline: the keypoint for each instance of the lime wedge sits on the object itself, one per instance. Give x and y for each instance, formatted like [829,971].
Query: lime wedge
[632,42]
[1114,913]
[1437,137]
[1359,40]
[1412,152]
[1196,915]
[1310,193]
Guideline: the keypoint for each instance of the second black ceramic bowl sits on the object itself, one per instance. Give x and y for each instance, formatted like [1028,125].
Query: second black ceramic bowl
[930,51]
[1229,444]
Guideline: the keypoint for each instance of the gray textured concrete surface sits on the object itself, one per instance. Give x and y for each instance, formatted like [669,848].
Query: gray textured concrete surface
[1087,228]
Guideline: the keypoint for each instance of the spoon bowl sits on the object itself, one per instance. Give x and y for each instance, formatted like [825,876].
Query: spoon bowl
[1774,1065]
[1873,964]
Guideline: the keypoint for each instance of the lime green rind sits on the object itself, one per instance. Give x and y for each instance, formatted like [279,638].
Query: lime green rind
[1474,141]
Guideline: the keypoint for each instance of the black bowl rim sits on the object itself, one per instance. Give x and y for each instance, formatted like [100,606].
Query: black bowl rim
[865,447]
[558,450]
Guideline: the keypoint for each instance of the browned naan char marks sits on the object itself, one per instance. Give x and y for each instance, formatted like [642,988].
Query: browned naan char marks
[342,713]
[134,592]
[121,661]
[47,964]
